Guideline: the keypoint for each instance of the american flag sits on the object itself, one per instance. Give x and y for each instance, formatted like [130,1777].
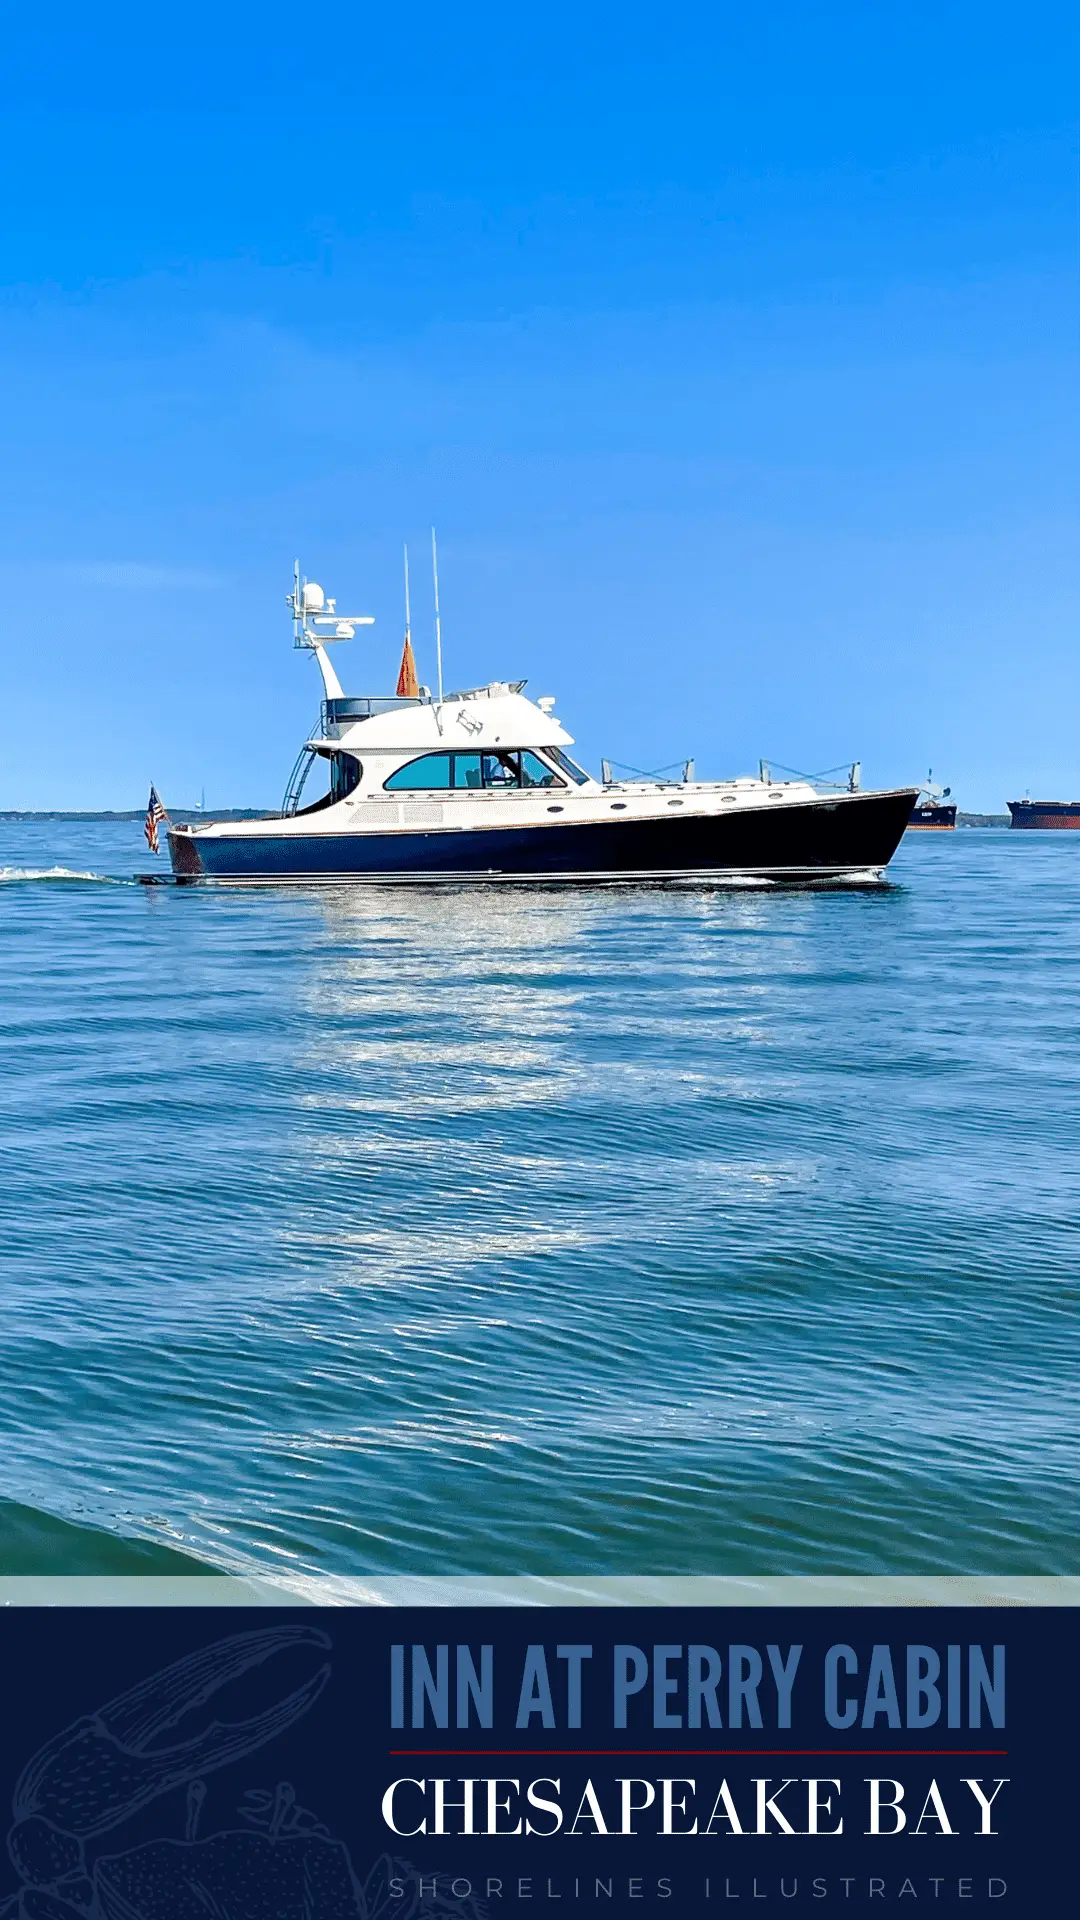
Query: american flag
[155,812]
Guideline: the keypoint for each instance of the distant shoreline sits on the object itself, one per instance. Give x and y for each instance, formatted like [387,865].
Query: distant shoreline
[139,813]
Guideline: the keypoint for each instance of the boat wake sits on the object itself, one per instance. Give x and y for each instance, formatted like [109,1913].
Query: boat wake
[861,877]
[10,876]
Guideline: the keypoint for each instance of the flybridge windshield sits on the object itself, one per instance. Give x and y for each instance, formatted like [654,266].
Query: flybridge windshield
[470,772]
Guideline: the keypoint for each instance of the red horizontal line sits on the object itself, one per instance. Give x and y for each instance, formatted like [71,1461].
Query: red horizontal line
[698,1753]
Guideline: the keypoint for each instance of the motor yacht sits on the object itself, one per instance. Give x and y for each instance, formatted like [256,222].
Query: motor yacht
[483,785]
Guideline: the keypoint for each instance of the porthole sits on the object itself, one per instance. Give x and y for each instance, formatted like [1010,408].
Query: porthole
[727,799]
[674,803]
[618,806]
[555,809]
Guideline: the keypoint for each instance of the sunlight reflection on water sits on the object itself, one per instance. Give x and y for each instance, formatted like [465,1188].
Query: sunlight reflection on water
[547,1231]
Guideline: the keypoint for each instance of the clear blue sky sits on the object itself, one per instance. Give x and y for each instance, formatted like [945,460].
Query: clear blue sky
[733,350]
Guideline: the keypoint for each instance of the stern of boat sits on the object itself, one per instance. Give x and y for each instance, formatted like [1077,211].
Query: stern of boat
[184,854]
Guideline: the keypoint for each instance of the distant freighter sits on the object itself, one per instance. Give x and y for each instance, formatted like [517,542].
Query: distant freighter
[1045,813]
[930,810]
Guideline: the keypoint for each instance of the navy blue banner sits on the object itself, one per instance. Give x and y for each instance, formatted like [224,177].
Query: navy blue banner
[416,1764]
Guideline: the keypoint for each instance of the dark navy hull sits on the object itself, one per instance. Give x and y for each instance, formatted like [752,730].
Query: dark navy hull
[815,841]
[934,819]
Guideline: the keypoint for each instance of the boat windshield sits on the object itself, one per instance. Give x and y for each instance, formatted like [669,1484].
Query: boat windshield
[566,765]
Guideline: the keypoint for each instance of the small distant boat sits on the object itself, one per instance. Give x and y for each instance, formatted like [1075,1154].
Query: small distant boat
[480,784]
[932,810]
[1045,813]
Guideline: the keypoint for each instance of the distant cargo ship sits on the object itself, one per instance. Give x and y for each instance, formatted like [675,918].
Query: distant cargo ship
[1045,813]
[930,809]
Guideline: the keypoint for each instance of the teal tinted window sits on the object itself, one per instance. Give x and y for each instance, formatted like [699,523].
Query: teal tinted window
[535,774]
[467,771]
[470,772]
[501,770]
[431,770]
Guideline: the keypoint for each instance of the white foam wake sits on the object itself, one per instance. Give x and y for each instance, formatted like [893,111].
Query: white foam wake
[12,874]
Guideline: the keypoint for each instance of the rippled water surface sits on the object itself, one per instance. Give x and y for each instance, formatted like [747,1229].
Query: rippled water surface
[542,1231]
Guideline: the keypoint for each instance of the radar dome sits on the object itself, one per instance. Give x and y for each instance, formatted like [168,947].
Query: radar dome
[314,597]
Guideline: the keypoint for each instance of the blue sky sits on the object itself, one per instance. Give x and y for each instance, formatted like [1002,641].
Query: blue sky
[732,350]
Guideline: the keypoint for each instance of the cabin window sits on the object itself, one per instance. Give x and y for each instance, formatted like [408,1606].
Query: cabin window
[468,771]
[471,772]
[566,765]
[501,770]
[535,774]
[431,770]
[345,772]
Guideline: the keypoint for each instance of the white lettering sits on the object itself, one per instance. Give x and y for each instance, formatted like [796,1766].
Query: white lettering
[933,1809]
[630,1806]
[817,1803]
[783,1825]
[879,1806]
[543,1805]
[725,1802]
[406,1833]
[589,1801]
[495,1806]
[671,1806]
[985,1804]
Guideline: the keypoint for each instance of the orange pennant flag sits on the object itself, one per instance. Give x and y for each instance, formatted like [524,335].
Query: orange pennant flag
[407,684]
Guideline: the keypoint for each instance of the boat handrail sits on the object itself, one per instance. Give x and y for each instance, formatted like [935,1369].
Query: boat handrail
[498,690]
[343,709]
[823,782]
[305,760]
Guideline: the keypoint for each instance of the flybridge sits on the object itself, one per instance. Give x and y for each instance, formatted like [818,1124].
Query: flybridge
[349,708]
[318,624]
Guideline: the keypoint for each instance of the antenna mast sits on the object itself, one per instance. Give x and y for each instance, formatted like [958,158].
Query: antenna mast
[408,621]
[312,615]
[438,625]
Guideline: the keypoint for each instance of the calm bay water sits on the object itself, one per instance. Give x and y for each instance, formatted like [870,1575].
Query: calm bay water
[536,1231]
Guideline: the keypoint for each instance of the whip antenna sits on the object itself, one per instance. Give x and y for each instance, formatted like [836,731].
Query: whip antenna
[438,626]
